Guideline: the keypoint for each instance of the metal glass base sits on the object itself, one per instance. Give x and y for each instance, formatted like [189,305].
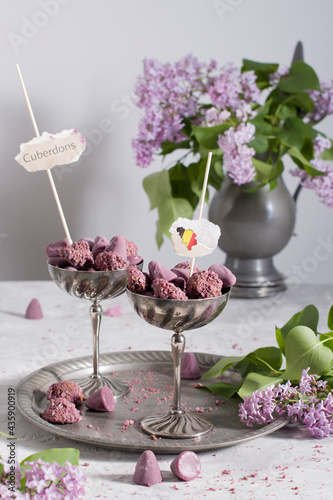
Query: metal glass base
[176,425]
[255,277]
[94,383]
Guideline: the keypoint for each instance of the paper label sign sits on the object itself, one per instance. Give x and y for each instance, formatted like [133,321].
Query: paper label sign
[48,150]
[194,238]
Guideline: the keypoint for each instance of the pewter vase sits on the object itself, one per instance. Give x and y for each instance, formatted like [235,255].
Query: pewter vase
[255,226]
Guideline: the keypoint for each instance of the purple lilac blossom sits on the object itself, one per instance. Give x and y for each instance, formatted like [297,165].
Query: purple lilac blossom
[168,93]
[237,156]
[323,102]
[314,412]
[321,184]
[45,481]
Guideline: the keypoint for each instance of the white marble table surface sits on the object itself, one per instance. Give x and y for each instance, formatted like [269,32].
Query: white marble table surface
[285,464]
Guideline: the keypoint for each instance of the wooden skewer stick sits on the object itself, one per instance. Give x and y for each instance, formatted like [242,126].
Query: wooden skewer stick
[53,187]
[202,199]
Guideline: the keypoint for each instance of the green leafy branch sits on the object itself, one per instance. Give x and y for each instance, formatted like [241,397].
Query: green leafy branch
[280,130]
[299,343]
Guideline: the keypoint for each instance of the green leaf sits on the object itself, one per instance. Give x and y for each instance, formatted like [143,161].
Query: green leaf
[6,435]
[208,136]
[262,70]
[301,77]
[59,455]
[222,388]
[287,111]
[169,211]
[308,149]
[293,132]
[181,184]
[330,318]
[158,188]
[196,172]
[302,162]
[264,359]
[328,338]
[309,316]
[267,68]
[276,171]
[302,101]
[216,172]
[260,141]
[221,366]
[257,382]
[159,234]
[169,147]
[263,171]
[303,350]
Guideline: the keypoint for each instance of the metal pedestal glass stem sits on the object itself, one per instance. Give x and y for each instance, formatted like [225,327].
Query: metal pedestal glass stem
[94,286]
[177,315]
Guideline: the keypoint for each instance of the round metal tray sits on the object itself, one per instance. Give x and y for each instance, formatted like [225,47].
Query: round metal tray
[150,375]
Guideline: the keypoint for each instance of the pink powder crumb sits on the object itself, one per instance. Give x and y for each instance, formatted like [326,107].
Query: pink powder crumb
[89,426]
[114,311]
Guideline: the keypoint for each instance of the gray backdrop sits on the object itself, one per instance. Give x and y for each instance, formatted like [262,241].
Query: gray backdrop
[80,60]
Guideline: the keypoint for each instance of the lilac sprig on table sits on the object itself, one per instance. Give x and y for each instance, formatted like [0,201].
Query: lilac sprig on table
[310,403]
[302,390]
[42,479]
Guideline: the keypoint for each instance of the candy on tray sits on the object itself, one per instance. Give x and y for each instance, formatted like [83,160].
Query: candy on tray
[61,411]
[147,471]
[67,390]
[190,368]
[186,466]
[101,400]
[34,310]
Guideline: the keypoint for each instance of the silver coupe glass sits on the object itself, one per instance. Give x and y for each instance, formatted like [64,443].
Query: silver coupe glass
[178,316]
[94,286]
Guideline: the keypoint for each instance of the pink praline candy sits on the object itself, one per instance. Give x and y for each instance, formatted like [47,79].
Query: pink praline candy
[34,310]
[101,400]
[225,275]
[147,471]
[190,368]
[186,466]
[158,271]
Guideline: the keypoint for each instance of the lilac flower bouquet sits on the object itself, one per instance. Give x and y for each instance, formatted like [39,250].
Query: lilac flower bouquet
[249,118]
